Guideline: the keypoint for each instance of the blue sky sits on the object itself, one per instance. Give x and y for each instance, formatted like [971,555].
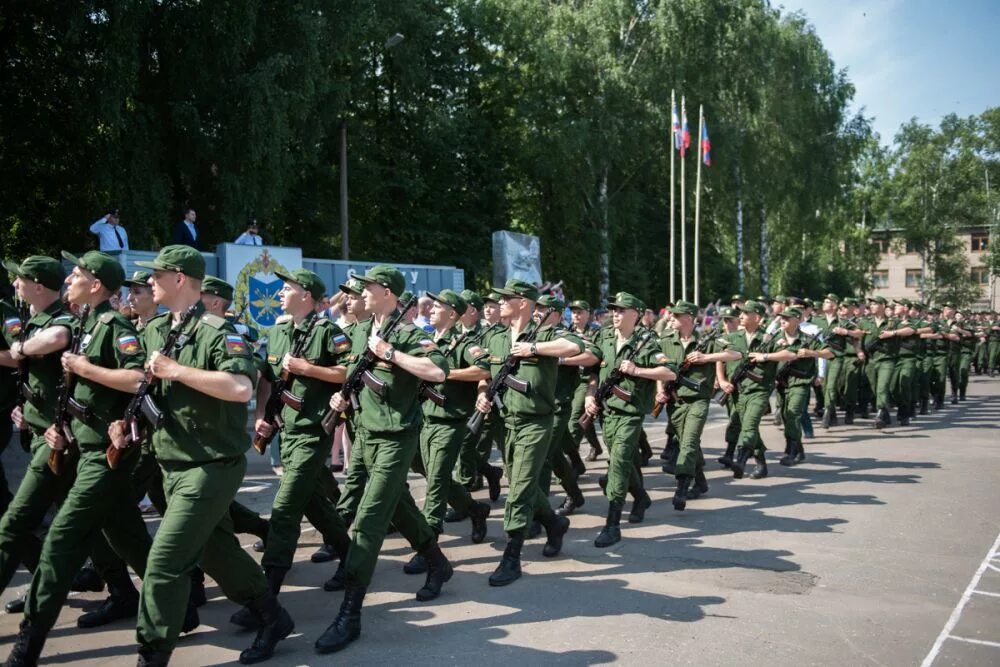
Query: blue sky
[912,57]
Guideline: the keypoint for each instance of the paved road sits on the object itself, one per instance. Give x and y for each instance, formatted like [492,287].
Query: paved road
[881,549]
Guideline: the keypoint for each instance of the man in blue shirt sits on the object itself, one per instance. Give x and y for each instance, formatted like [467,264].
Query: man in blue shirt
[185,233]
[111,235]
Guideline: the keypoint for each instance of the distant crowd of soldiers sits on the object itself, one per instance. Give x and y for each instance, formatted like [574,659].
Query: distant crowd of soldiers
[113,408]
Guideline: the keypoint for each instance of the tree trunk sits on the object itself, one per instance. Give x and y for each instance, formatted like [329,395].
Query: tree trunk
[764,276]
[739,228]
[605,270]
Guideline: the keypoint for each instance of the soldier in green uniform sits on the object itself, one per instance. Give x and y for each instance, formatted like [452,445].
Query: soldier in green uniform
[880,347]
[46,334]
[580,316]
[950,331]
[107,370]
[202,390]
[528,419]
[850,377]
[635,354]
[839,336]
[904,378]
[731,324]
[686,405]
[388,437]
[967,336]
[444,426]
[993,328]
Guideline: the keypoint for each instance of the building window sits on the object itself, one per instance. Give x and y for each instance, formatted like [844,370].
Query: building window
[911,248]
[880,279]
[981,275]
[914,277]
[882,244]
[980,241]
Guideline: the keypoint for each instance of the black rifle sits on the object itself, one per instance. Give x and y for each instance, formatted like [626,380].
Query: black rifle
[24,393]
[612,384]
[281,394]
[744,371]
[506,377]
[427,390]
[142,404]
[786,370]
[57,457]
[362,373]
[839,343]
[682,378]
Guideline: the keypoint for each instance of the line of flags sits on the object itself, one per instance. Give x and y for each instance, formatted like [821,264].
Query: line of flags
[682,135]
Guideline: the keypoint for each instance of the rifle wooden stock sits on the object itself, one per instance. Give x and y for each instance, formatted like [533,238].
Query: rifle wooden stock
[57,457]
[429,393]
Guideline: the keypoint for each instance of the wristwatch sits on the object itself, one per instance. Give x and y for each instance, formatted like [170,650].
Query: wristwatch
[389,354]
[534,349]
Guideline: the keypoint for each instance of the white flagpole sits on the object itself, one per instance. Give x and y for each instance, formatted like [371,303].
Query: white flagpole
[684,284]
[673,143]
[697,197]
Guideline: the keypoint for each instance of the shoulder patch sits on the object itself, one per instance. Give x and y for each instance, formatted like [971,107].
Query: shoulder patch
[129,344]
[235,344]
[12,325]
[107,318]
[476,351]
[660,357]
[341,343]
[215,321]
[427,344]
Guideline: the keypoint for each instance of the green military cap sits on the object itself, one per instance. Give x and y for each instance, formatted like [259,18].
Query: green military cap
[934,310]
[472,299]
[624,300]
[791,311]
[550,301]
[180,258]
[878,299]
[737,297]
[386,276]
[139,279]
[104,267]
[795,301]
[579,304]
[405,296]
[218,287]
[729,313]
[43,270]
[901,301]
[491,296]
[517,287]
[832,297]
[761,298]
[686,308]
[352,286]
[779,298]
[305,278]
[450,298]
[755,307]
[849,301]
[948,304]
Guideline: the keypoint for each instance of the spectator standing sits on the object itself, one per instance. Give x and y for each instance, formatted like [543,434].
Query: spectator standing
[251,236]
[111,236]
[185,232]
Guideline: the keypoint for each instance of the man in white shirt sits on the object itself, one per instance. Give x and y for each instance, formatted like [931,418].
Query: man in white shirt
[110,234]
[251,236]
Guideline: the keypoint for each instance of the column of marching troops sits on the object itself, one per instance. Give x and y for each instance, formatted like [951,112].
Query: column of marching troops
[112,410]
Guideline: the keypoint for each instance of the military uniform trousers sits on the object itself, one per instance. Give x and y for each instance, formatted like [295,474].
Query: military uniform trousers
[39,490]
[835,369]
[100,499]
[964,364]
[385,459]
[556,462]
[621,435]
[850,377]
[440,444]
[880,374]
[794,403]
[574,432]
[197,528]
[733,424]
[905,381]
[303,455]
[750,408]
[527,447]
[6,431]
[993,354]
[688,418]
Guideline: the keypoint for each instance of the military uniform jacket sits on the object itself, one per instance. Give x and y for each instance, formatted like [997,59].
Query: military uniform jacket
[886,350]
[460,350]
[840,345]
[589,337]
[738,341]
[808,366]
[325,345]
[568,377]
[199,428]
[539,372]
[911,346]
[676,350]
[44,373]
[110,341]
[643,391]
[399,410]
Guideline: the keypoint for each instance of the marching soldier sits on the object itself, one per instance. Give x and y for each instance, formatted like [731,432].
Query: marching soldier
[851,372]
[839,336]
[880,349]
[580,316]
[528,419]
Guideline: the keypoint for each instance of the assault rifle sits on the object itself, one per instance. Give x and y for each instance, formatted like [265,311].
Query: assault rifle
[744,371]
[142,404]
[362,373]
[682,378]
[24,393]
[612,384]
[281,394]
[505,378]
[57,457]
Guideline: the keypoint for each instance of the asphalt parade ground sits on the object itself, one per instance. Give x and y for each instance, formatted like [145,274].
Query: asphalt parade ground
[882,549]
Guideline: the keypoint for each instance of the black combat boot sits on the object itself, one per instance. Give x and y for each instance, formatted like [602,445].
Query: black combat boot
[602,481]
[672,451]
[556,528]
[151,658]
[865,413]
[961,393]
[87,580]
[480,512]
[246,617]
[645,450]
[509,569]
[954,397]
[123,602]
[800,452]
[726,460]
[416,565]
[938,401]
[739,465]
[572,503]
[324,554]
[339,579]
[452,516]
[700,485]
[439,571]
[882,418]
[924,406]
[849,415]
[681,494]
[197,596]
[639,507]
[611,533]
[275,577]
[829,417]
[903,415]
[493,474]
[760,470]
[27,647]
[791,449]
[275,625]
[16,606]
[579,467]
[347,626]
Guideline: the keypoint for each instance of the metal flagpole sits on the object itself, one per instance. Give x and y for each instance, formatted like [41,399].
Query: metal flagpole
[673,144]
[684,284]
[697,196]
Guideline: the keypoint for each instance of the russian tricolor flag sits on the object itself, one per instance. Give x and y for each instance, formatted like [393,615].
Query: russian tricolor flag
[706,145]
[685,133]
[676,127]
